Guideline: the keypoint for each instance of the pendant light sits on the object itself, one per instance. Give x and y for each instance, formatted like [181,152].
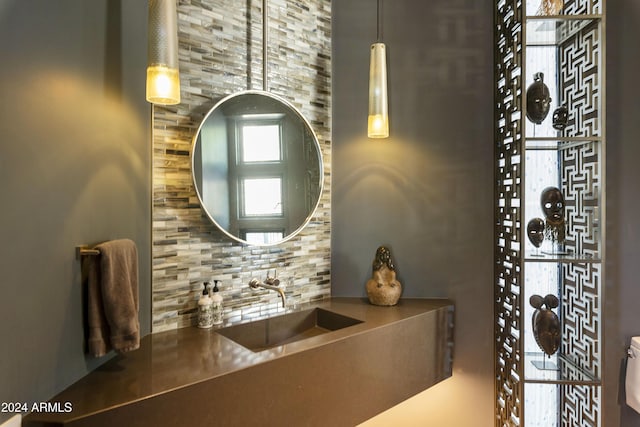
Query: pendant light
[163,76]
[378,122]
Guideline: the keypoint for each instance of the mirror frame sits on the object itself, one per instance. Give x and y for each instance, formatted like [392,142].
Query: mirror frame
[305,122]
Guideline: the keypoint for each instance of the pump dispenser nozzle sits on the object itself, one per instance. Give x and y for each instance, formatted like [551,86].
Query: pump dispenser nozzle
[217,304]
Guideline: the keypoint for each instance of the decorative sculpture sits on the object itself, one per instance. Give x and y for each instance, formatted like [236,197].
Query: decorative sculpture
[546,325]
[553,206]
[383,288]
[538,99]
[535,231]
[560,118]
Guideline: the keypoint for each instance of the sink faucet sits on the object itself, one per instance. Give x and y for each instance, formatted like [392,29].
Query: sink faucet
[269,283]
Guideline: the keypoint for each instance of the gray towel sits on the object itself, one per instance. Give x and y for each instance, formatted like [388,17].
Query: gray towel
[113,298]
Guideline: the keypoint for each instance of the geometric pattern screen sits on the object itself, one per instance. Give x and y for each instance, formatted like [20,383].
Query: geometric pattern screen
[579,62]
[583,7]
[580,177]
[509,255]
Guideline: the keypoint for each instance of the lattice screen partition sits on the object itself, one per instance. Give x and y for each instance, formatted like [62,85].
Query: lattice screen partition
[509,150]
[581,178]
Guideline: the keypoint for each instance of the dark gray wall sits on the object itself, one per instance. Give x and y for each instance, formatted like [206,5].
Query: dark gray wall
[74,169]
[622,292]
[427,191]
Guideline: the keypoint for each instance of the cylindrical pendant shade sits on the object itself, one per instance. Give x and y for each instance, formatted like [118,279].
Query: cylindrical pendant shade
[163,75]
[378,123]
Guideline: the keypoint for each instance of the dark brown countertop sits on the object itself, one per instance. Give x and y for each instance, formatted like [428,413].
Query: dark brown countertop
[173,360]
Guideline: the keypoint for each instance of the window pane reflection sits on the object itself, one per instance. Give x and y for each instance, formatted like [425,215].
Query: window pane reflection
[260,143]
[262,196]
[266,238]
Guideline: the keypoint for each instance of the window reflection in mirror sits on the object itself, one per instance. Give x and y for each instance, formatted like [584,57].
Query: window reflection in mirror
[257,168]
[261,196]
[261,238]
[260,141]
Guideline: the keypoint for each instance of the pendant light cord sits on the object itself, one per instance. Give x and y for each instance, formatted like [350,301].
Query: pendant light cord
[378,22]
[265,44]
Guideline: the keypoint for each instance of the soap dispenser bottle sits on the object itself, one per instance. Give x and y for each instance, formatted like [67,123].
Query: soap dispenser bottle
[205,308]
[216,299]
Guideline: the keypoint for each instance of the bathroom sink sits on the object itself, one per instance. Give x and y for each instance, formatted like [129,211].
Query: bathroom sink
[275,331]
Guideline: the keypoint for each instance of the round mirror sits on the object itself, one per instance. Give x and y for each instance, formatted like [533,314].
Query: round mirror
[257,168]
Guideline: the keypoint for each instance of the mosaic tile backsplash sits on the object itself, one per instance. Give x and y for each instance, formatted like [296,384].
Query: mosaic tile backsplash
[221,53]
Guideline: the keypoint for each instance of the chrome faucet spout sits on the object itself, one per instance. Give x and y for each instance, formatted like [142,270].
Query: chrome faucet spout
[256,284]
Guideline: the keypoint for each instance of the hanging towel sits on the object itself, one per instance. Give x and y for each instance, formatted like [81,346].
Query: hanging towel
[112,294]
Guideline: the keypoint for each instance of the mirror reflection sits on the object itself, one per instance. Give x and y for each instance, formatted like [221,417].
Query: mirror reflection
[257,168]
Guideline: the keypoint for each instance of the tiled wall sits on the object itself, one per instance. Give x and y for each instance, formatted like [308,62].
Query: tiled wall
[221,53]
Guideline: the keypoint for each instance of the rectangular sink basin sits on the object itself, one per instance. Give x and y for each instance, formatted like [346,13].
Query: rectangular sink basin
[275,331]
